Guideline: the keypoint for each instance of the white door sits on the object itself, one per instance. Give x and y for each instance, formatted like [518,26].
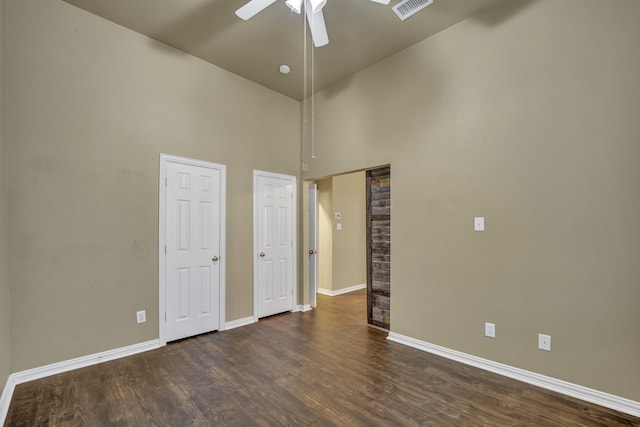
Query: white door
[274,265]
[194,263]
[313,244]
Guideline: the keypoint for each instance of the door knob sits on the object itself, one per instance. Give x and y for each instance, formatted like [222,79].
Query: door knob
[262,254]
[215,258]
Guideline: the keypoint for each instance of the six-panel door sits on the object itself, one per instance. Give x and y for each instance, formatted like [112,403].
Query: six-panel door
[193,250]
[274,245]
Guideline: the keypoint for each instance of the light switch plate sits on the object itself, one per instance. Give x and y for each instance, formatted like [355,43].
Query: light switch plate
[141,316]
[490,330]
[339,226]
[478,223]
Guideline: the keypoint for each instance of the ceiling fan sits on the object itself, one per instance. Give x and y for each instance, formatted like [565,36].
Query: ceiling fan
[313,9]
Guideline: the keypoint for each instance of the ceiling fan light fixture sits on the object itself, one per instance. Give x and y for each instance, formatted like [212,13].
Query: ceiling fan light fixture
[317,5]
[295,5]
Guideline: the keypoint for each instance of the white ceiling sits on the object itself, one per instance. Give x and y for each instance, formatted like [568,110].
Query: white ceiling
[361,33]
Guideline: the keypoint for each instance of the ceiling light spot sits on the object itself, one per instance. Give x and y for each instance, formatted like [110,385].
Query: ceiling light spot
[285,69]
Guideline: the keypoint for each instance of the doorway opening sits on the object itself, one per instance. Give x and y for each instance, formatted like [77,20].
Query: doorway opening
[351,247]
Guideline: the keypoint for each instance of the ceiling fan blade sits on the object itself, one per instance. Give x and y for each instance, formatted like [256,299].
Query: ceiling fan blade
[252,8]
[317,27]
[381,1]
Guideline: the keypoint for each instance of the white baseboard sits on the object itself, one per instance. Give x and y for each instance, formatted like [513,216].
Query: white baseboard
[240,322]
[5,399]
[574,390]
[341,291]
[302,308]
[65,366]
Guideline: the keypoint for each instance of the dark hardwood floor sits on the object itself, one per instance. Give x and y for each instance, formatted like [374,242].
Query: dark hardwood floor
[323,368]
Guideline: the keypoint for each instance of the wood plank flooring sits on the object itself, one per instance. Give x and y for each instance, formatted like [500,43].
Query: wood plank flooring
[321,368]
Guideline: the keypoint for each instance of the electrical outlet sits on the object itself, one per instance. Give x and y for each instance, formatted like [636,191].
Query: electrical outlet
[490,330]
[544,342]
[141,316]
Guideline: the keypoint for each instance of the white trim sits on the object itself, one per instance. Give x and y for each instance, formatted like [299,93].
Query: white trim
[564,387]
[303,308]
[83,362]
[240,322]
[313,231]
[5,399]
[162,236]
[341,291]
[65,366]
[294,235]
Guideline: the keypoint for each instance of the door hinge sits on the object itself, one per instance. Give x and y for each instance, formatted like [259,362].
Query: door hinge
[165,249]
[165,317]
[165,182]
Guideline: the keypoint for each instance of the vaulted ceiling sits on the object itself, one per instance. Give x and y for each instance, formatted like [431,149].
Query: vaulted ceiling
[361,33]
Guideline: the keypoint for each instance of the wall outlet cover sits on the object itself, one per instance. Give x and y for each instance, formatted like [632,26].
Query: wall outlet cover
[544,342]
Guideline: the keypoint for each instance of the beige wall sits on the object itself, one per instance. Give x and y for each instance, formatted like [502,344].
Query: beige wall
[4,263]
[325,234]
[91,106]
[527,115]
[349,244]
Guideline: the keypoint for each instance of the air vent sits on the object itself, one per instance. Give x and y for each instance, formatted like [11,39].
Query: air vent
[407,8]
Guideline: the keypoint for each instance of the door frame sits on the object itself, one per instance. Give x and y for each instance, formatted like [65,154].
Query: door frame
[162,237]
[313,231]
[294,236]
